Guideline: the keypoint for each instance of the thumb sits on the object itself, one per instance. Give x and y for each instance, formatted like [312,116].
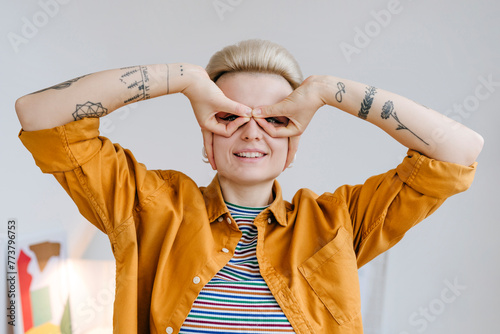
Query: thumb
[282,109]
[277,109]
[233,107]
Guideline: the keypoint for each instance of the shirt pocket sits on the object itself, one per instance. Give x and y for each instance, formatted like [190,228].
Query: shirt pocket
[332,273]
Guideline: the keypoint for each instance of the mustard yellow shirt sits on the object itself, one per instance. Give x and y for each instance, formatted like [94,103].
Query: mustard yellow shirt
[170,237]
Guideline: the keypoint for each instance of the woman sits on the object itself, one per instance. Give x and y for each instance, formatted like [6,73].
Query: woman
[234,256]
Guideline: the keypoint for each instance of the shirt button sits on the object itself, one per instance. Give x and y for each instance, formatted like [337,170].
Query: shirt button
[220,219]
[196,280]
[228,220]
[269,220]
[225,250]
[169,330]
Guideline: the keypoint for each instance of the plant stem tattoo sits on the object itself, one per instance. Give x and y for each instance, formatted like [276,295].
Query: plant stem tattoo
[367,102]
[388,111]
[341,87]
[60,86]
[136,79]
[89,109]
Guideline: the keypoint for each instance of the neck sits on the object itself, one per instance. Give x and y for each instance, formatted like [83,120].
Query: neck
[254,195]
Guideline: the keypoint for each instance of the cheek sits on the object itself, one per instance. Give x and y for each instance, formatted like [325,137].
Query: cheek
[281,148]
[219,147]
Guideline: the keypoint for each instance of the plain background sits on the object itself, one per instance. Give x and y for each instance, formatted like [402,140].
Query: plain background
[439,53]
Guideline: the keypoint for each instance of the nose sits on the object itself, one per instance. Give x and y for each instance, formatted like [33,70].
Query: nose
[251,130]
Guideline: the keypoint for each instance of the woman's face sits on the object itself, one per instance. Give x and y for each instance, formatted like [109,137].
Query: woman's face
[250,156]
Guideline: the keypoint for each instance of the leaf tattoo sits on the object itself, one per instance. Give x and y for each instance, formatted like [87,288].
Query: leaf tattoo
[367,102]
[62,85]
[388,111]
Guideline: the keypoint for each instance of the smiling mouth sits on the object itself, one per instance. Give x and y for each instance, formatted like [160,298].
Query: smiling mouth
[249,154]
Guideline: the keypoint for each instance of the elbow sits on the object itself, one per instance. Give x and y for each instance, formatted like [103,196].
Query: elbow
[471,148]
[21,109]
[24,111]
[464,150]
[476,146]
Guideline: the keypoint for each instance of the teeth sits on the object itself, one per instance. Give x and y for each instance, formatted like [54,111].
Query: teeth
[250,155]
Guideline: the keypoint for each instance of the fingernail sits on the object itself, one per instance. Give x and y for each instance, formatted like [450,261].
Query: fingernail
[257,112]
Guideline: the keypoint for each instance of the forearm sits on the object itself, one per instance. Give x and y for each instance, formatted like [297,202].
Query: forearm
[100,93]
[412,124]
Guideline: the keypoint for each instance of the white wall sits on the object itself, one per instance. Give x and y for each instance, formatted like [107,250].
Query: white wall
[435,52]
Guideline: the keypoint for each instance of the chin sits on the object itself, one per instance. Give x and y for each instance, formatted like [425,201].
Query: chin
[250,179]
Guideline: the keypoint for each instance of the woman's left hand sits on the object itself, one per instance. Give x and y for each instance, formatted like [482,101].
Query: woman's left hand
[299,107]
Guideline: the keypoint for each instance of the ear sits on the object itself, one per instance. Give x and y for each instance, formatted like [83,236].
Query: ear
[208,139]
[293,146]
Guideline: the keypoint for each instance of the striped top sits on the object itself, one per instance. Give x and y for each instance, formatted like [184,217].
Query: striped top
[237,299]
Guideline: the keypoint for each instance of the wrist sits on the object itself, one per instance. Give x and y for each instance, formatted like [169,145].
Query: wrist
[189,76]
[319,87]
[176,77]
[340,93]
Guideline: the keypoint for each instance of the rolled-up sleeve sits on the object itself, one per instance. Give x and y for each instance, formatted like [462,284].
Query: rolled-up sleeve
[386,206]
[103,179]
[63,148]
[433,177]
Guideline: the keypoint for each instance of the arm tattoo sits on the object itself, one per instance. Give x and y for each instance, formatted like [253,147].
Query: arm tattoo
[341,87]
[367,102]
[89,109]
[388,111]
[168,76]
[60,86]
[136,79]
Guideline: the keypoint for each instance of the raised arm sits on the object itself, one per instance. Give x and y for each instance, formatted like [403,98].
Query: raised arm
[100,93]
[412,124]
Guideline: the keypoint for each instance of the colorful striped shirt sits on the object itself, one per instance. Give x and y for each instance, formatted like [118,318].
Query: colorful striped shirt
[237,299]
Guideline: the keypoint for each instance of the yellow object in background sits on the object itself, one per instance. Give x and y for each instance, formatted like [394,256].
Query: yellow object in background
[47,328]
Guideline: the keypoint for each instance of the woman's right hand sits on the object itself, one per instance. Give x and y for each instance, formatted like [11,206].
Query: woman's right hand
[207,100]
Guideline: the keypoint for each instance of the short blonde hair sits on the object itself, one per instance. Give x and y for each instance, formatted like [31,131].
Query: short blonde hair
[255,55]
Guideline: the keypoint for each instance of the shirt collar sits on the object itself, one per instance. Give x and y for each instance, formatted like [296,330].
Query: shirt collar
[216,207]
